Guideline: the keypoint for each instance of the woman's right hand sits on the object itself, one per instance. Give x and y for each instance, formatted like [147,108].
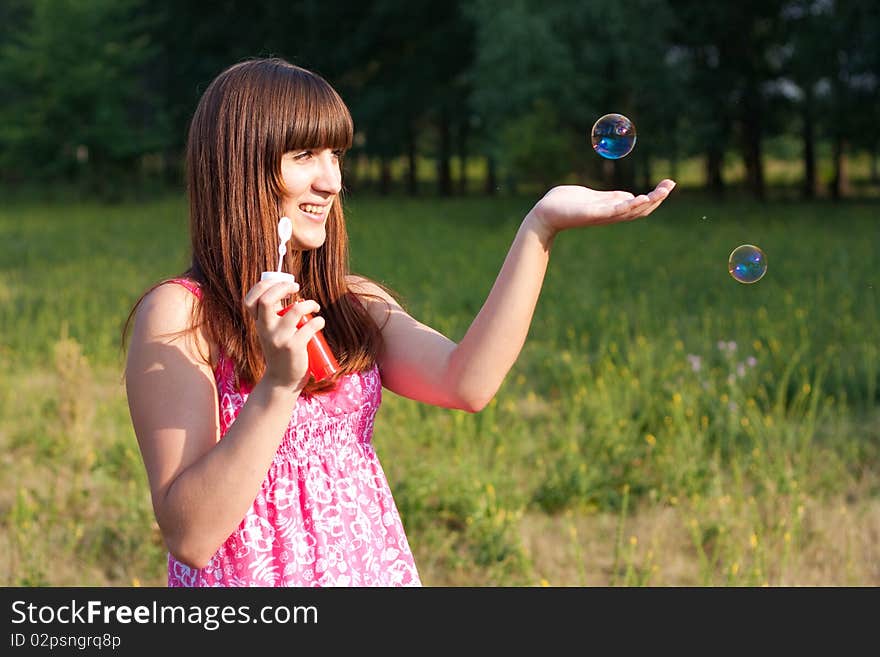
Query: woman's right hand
[284,345]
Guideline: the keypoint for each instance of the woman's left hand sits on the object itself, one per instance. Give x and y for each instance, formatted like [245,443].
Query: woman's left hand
[572,206]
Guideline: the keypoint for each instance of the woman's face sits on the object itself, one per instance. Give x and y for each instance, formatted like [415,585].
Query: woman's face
[312,180]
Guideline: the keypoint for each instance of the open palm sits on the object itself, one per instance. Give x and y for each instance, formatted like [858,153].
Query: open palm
[572,206]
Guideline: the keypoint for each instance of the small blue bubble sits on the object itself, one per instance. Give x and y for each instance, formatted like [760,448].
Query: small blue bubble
[613,136]
[747,264]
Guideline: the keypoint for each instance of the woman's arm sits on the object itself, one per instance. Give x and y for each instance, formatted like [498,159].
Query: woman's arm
[420,363]
[202,486]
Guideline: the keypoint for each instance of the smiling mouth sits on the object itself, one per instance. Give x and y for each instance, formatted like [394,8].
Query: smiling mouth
[314,210]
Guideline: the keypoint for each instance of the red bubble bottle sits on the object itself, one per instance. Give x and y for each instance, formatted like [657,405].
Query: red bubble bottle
[322,362]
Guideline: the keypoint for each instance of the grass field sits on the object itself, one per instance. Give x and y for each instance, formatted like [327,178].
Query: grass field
[663,426]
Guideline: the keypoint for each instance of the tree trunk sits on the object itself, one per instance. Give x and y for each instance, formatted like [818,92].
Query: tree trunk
[444,173]
[623,174]
[647,173]
[714,173]
[384,175]
[608,175]
[673,158]
[875,170]
[351,173]
[372,183]
[172,167]
[491,176]
[412,183]
[809,188]
[462,158]
[752,156]
[840,181]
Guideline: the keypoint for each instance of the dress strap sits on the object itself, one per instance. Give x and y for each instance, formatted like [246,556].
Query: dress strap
[223,364]
[189,284]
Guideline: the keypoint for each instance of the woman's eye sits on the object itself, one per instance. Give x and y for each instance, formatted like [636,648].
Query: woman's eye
[302,155]
[338,153]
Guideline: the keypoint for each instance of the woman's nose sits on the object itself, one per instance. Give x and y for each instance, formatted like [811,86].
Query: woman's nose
[329,177]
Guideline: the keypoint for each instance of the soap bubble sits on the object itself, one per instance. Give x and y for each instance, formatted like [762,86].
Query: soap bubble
[747,263]
[613,136]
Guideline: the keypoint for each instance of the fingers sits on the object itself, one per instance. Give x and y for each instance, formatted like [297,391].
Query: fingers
[297,323]
[667,183]
[294,313]
[265,296]
[657,196]
[632,207]
[283,340]
[644,204]
[290,333]
[308,330]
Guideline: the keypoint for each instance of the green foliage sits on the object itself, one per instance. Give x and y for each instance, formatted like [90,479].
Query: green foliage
[77,106]
[519,60]
[536,147]
[99,93]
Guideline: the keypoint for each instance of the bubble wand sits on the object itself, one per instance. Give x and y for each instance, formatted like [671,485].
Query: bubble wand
[285,230]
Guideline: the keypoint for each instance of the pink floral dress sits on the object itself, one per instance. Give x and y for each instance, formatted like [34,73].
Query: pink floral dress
[324,515]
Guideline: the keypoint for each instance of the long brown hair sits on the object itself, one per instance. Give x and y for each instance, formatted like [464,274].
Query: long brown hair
[248,117]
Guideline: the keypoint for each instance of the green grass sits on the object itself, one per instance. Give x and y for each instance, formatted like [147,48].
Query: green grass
[631,443]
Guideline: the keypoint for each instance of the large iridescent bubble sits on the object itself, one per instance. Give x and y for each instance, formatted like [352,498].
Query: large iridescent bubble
[613,136]
[747,263]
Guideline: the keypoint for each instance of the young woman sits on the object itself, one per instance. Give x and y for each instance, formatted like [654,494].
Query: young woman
[259,474]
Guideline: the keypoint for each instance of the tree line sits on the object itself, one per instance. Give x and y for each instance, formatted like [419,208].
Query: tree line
[100,92]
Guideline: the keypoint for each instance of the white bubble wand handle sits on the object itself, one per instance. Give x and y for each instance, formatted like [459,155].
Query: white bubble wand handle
[285,230]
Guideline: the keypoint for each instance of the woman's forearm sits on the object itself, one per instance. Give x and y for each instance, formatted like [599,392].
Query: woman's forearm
[208,500]
[484,356]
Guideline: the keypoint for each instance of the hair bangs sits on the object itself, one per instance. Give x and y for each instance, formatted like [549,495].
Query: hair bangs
[317,118]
